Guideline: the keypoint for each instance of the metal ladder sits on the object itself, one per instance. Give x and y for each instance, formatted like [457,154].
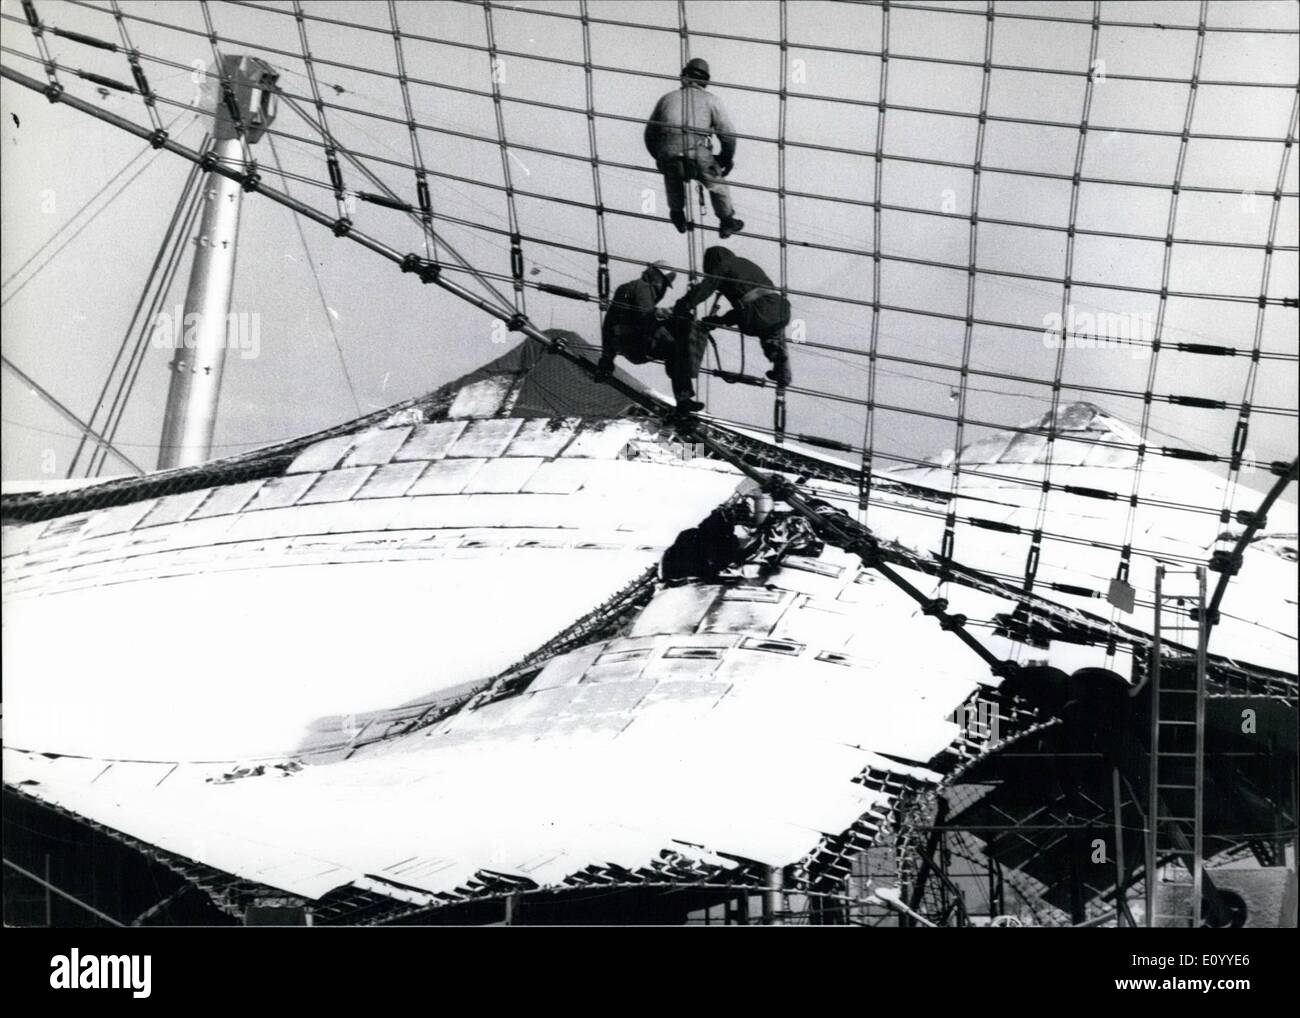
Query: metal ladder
[1174,863]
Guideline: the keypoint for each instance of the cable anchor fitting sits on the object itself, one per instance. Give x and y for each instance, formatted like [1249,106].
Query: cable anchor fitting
[428,271]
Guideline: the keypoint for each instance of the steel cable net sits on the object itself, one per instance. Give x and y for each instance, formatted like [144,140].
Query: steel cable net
[981,213]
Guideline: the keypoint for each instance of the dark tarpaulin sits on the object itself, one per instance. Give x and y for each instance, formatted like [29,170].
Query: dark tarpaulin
[546,385]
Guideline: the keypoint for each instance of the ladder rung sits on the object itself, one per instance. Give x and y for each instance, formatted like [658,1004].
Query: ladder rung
[1184,819]
[1184,787]
[1171,721]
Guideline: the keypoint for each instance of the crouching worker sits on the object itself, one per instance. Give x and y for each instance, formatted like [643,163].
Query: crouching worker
[636,327]
[757,308]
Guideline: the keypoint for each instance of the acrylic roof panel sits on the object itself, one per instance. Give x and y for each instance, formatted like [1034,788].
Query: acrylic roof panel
[305,613]
[1259,617]
[578,769]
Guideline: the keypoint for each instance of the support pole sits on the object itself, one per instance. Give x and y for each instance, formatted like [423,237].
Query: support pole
[200,339]
[1120,904]
[774,896]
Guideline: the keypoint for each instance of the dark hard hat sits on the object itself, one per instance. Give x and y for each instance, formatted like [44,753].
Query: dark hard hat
[715,256]
[661,269]
[697,69]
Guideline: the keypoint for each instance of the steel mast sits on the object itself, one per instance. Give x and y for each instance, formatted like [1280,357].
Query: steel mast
[245,108]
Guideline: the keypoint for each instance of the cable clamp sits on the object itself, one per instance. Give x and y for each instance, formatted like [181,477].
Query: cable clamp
[53,91]
[252,180]
[342,226]
[158,138]
[428,271]
[934,606]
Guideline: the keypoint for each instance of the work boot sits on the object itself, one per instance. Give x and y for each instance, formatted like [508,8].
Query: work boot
[729,226]
[780,372]
[688,404]
[679,219]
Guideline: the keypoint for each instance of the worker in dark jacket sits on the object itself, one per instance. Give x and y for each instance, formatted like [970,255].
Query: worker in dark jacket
[757,307]
[638,329]
[679,135]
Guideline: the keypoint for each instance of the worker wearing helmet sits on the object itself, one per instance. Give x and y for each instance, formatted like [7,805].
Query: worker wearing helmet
[638,329]
[679,135]
[757,307]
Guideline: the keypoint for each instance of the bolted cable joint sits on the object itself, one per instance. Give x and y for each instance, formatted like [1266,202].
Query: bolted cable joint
[1224,561]
[33,19]
[1250,518]
[158,138]
[335,171]
[935,606]
[208,161]
[342,226]
[951,623]
[53,91]
[252,180]
[517,322]
[429,271]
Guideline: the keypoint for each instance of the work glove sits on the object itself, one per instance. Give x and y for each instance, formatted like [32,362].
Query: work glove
[725,167]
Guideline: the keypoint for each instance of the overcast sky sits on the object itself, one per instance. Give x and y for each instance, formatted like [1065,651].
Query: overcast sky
[400,339]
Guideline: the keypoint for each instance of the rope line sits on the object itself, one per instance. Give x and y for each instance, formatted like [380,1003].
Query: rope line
[331,149]
[1242,429]
[516,240]
[90,201]
[1023,121]
[602,245]
[421,177]
[840,199]
[968,333]
[1130,522]
[866,472]
[164,248]
[121,399]
[82,426]
[137,71]
[320,293]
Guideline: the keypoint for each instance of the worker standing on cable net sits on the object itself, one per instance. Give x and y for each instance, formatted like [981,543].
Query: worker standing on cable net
[679,136]
[757,307]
